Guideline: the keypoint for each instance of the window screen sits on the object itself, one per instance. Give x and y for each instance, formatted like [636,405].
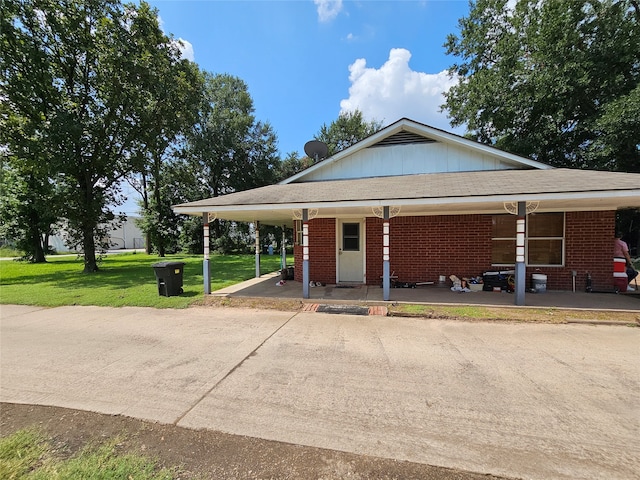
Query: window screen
[351,237]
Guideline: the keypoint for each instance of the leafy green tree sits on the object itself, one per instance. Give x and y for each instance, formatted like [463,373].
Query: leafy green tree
[552,80]
[224,119]
[80,73]
[617,143]
[171,105]
[28,205]
[28,211]
[256,164]
[348,129]
[291,165]
[226,150]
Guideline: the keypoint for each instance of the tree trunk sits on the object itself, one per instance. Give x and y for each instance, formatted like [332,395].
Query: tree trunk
[36,239]
[38,251]
[89,248]
[156,193]
[45,242]
[39,256]
[145,203]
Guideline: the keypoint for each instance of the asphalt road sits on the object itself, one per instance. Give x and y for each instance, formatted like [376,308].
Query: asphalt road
[517,400]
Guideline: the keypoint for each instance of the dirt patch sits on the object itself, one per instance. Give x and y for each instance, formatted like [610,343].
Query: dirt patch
[204,454]
[480,313]
[264,303]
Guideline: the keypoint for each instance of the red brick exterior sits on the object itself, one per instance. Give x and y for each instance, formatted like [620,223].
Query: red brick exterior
[422,248]
[589,239]
[322,252]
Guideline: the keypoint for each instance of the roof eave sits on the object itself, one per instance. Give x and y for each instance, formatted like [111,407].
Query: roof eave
[633,197]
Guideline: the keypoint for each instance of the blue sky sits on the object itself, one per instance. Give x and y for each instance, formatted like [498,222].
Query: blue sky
[305,61]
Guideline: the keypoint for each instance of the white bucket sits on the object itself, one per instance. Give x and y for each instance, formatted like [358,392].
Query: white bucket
[539,282]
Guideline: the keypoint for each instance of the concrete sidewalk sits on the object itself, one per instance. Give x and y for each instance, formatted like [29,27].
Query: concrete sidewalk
[526,401]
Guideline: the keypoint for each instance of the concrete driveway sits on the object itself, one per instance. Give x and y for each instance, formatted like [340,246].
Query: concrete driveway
[527,401]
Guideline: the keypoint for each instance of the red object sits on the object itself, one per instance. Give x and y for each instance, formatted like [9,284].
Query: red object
[620,281]
[619,265]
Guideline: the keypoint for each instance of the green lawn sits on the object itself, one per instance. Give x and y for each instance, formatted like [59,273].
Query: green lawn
[28,454]
[123,280]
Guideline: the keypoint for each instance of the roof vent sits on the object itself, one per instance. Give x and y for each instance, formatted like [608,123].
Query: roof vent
[403,138]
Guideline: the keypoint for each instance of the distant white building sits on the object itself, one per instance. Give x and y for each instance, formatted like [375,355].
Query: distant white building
[126,236]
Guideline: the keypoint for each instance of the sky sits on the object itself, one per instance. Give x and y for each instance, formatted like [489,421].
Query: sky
[306,61]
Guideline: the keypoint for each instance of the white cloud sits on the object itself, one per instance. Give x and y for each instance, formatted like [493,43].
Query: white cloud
[328,9]
[394,91]
[186,49]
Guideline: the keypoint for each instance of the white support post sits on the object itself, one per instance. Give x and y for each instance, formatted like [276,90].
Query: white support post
[305,253]
[283,250]
[521,267]
[386,280]
[257,249]
[206,267]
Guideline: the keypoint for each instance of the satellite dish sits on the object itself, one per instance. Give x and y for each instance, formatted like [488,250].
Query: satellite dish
[316,149]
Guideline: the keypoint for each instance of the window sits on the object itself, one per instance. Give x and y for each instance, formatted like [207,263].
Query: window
[545,239]
[544,243]
[503,239]
[351,237]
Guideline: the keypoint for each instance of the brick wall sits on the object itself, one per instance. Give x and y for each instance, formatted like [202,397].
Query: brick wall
[422,248]
[589,239]
[322,252]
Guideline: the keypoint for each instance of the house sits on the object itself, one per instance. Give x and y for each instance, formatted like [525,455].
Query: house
[417,203]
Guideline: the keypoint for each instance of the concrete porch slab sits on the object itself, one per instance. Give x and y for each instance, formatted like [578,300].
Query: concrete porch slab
[267,286]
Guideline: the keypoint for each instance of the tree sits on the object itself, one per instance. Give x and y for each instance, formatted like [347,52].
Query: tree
[617,143]
[227,150]
[291,165]
[550,80]
[29,205]
[349,128]
[224,119]
[171,104]
[82,68]
[256,164]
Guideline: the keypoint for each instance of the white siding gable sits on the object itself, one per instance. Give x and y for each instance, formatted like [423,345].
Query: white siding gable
[406,148]
[408,159]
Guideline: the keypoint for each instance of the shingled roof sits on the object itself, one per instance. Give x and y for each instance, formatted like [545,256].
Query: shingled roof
[482,191]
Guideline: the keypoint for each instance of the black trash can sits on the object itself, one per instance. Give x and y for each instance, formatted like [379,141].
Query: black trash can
[169,277]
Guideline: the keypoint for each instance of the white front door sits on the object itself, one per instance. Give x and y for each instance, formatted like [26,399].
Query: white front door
[350,251]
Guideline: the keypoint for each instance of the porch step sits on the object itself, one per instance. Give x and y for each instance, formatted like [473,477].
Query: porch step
[345,309]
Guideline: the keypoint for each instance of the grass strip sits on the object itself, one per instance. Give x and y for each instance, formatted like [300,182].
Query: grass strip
[20,453]
[27,454]
[123,280]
